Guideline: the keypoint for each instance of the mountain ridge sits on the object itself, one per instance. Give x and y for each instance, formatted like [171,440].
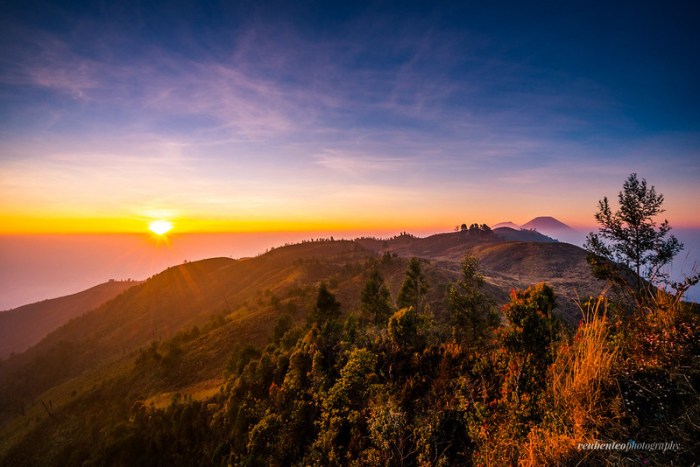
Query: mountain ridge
[445,247]
[509,224]
[550,227]
[26,325]
[183,329]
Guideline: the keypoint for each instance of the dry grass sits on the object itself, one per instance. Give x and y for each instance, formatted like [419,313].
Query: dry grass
[200,391]
[578,403]
[580,370]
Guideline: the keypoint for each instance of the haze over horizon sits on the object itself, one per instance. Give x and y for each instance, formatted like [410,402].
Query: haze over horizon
[39,267]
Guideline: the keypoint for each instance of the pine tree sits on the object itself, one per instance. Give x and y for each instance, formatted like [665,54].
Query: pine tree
[375,301]
[630,236]
[414,287]
[327,307]
[470,310]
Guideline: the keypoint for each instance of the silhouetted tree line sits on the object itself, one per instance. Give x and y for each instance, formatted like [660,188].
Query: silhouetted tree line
[474,229]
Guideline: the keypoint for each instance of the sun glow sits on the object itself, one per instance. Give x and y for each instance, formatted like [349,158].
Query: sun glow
[160,227]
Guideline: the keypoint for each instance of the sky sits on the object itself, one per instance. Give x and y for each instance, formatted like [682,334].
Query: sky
[249,124]
[304,116]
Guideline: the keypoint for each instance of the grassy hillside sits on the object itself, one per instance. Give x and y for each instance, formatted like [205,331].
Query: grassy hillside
[506,264]
[22,327]
[225,362]
[253,292]
[521,235]
[232,362]
[248,296]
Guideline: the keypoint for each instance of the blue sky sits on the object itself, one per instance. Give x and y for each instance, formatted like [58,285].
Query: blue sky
[259,115]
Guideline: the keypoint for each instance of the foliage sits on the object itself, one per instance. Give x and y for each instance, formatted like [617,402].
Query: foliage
[327,307]
[404,328]
[375,301]
[631,237]
[328,394]
[471,314]
[343,421]
[414,287]
[533,328]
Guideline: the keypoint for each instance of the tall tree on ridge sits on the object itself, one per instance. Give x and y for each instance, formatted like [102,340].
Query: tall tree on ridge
[630,235]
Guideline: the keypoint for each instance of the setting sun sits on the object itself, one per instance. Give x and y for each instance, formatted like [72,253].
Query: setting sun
[160,227]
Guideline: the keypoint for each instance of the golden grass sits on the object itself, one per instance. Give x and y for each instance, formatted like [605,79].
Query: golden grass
[200,391]
[579,371]
[578,405]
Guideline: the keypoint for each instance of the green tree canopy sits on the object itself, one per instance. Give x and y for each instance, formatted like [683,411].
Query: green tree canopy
[414,287]
[327,307]
[630,236]
[532,325]
[470,310]
[404,328]
[529,339]
[375,300]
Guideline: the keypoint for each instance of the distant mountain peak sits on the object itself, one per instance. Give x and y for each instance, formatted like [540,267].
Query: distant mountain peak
[508,224]
[545,223]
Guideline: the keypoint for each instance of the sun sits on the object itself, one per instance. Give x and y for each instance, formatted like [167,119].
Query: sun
[160,227]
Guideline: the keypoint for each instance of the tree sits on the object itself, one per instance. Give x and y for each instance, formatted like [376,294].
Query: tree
[375,300]
[533,327]
[327,307]
[630,236]
[529,340]
[343,433]
[470,310]
[414,287]
[404,328]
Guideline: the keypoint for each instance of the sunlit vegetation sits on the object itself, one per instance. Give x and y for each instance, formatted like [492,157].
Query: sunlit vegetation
[329,353]
[396,385]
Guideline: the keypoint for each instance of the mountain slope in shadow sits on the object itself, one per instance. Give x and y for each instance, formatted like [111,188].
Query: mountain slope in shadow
[24,326]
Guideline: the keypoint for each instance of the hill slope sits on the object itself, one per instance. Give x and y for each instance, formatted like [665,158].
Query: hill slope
[508,262]
[509,224]
[213,363]
[521,235]
[247,296]
[197,316]
[22,327]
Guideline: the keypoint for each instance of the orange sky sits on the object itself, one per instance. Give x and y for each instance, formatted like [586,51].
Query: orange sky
[366,215]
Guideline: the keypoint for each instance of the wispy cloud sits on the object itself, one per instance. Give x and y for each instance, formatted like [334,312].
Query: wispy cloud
[275,83]
[270,115]
[362,164]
